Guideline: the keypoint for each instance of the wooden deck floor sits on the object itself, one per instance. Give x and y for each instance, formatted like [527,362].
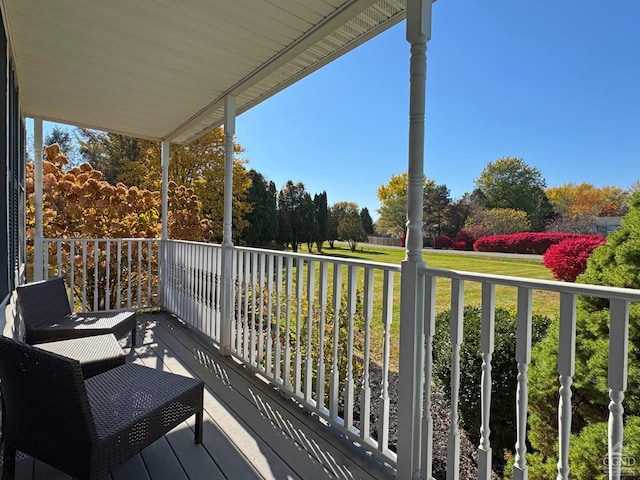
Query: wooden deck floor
[250,432]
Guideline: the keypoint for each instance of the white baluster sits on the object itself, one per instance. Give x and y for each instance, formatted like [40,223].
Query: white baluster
[566,362]
[308,373]
[130,276]
[96,274]
[365,387]
[457,320]
[118,273]
[426,452]
[334,380]
[349,385]
[487,336]
[254,306]
[262,303]
[617,382]
[287,324]
[269,319]
[240,302]
[139,274]
[523,357]
[107,279]
[387,316]
[278,297]
[322,299]
[297,365]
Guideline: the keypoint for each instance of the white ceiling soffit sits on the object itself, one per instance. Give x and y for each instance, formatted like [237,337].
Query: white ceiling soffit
[160,69]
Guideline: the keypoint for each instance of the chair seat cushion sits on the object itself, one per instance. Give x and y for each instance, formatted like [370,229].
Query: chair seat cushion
[134,393]
[77,325]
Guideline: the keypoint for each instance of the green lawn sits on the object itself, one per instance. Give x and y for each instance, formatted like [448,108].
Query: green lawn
[545,303]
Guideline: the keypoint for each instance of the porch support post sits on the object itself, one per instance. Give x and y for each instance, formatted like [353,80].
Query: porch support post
[226,326]
[411,382]
[165,189]
[38,266]
[164,207]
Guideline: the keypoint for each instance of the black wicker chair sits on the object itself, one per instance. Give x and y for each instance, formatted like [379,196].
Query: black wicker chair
[47,316]
[86,428]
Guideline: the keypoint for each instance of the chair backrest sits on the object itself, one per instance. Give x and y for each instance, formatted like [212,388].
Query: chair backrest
[43,302]
[46,408]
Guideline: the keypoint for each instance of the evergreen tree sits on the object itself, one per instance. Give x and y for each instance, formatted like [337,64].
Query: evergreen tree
[322,219]
[262,220]
[367,221]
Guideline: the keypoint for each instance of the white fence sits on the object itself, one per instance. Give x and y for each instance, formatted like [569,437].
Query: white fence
[107,273]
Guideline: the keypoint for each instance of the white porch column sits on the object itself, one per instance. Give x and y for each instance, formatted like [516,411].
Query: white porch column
[38,267]
[164,161]
[226,326]
[411,295]
[164,207]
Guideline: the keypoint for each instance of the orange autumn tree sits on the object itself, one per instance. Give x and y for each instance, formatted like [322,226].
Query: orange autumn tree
[79,204]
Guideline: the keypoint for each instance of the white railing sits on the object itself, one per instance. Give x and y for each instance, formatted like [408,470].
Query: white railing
[107,273]
[191,284]
[524,290]
[303,321]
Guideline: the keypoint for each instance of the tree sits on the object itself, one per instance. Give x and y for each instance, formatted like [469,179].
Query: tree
[67,144]
[336,214]
[322,218]
[510,183]
[436,201]
[497,221]
[79,203]
[367,221]
[198,165]
[294,208]
[393,205]
[574,201]
[308,222]
[262,219]
[109,152]
[351,229]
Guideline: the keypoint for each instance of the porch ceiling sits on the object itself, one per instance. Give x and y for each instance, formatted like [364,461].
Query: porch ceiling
[160,69]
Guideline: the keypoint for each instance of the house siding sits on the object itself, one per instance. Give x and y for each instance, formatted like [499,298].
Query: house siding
[12,175]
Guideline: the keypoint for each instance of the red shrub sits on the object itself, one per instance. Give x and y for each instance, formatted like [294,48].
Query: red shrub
[568,259]
[465,237]
[459,246]
[442,242]
[526,242]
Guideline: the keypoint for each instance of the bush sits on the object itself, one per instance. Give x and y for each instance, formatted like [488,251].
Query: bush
[442,242]
[527,242]
[465,237]
[499,221]
[459,246]
[504,372]
[616,263]
[568,259]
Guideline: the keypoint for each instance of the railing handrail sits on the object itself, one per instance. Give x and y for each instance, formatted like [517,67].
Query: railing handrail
[629,294]
[103,239]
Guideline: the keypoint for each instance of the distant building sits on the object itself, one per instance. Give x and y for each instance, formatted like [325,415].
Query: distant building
[605,225]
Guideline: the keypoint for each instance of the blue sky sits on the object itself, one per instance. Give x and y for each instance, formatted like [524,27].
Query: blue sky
[555,83]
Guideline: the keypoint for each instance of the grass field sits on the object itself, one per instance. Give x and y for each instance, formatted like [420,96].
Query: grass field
[545,303]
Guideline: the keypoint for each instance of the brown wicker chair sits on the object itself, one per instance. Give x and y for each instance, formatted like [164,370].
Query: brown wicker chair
[47,316]
[86,428]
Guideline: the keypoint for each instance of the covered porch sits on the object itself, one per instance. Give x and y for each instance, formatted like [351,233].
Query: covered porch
[283,341]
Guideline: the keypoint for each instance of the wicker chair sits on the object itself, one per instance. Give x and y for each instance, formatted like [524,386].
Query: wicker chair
[87,427]
[47,316]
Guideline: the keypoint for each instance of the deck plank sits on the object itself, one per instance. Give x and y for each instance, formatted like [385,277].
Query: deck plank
[132,468]
[161,461]
[300,438]
[227,411]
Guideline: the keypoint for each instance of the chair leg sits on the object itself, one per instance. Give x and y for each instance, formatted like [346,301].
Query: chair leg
[133,337]
[198,434]
[9,463]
